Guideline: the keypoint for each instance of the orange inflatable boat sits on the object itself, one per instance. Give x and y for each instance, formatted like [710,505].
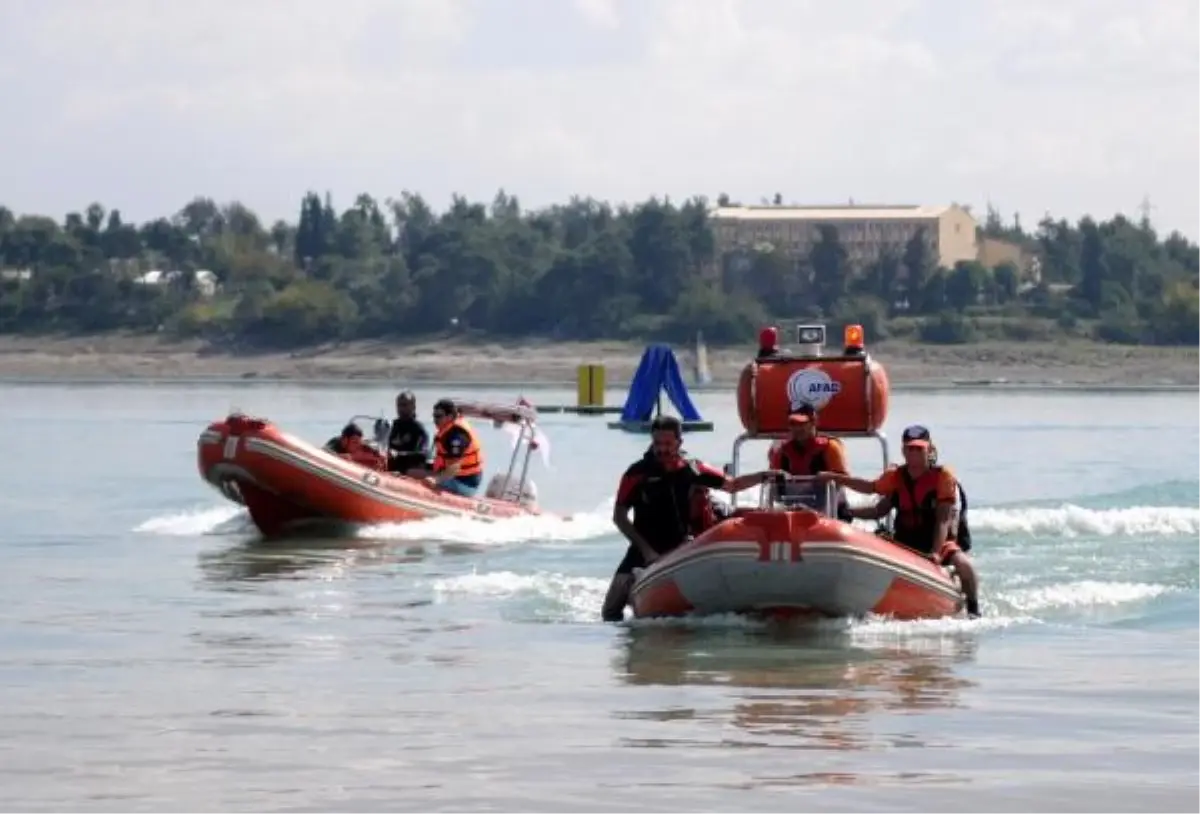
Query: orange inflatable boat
[789,555]
[283,480]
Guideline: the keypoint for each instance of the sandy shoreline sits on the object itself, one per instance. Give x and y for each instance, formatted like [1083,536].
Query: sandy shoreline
[133,358]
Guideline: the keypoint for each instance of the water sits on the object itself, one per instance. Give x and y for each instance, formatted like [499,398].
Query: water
[153,656]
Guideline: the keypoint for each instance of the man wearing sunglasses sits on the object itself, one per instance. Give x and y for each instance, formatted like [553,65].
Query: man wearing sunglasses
[661,489]
[925,496]
[458,455]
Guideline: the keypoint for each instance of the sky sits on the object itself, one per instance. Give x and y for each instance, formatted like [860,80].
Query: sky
[1067,107]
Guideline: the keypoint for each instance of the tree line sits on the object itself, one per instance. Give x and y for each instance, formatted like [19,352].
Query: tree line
[580,270]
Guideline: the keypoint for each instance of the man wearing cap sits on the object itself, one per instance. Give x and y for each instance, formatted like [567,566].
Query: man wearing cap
[808,452]
[925,497]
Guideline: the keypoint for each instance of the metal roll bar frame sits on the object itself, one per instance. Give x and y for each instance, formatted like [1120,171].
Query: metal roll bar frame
[734,466]
[499,414]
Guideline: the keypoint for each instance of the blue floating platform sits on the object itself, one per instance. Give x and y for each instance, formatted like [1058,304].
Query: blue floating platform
[658,372]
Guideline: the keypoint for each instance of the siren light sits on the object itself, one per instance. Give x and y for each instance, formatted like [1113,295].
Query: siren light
[853,336]
[768,338]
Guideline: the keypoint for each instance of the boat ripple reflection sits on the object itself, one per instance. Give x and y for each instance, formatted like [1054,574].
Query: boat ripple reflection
[326,557]
[786,688]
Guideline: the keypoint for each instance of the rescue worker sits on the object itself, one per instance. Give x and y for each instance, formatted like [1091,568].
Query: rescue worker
[408,441]
[350,444]
[660,489]
[457,454]
[807,452]
[925,496]
[704,510]
[340,444]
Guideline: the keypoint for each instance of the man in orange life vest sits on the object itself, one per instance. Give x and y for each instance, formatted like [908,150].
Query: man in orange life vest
[457,454]
[925,497]
[662,489]
[807,452]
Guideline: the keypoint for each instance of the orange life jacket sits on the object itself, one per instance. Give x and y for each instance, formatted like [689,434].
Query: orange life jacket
[470,462]
[916,509]
[363,455]
[808,460]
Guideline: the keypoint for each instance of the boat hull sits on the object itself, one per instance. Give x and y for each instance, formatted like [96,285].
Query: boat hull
[794,562]
[283,480]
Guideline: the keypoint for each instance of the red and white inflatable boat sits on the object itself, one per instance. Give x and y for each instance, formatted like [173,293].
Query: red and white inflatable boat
[282,479]
[784,558]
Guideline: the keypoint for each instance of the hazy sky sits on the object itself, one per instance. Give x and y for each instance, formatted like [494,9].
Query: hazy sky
[1066,106]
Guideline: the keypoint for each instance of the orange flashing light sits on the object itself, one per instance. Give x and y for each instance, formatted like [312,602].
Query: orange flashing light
[853,336]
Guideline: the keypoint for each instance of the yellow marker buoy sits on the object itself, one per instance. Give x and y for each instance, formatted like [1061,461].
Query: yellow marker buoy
[591,386]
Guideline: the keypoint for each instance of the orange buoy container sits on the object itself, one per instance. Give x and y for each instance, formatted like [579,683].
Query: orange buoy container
[850,393]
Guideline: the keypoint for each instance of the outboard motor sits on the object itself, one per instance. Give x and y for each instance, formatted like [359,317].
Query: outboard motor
[502,487]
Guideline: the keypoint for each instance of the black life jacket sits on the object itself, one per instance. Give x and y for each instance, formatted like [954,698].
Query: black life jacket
[916,512]
[666,516]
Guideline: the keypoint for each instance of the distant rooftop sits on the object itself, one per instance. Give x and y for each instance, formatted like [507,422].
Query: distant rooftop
[845,212]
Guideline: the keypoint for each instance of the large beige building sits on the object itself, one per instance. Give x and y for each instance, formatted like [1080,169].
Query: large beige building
[864,231]
[993,252]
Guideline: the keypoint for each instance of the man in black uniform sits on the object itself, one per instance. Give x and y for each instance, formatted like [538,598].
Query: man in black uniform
[408,442]
[659,488]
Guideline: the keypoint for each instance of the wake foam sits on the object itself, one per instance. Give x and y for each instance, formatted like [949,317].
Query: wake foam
[1065,520]
[215,520]
[577,599]
[546,529]
[570,599]
[1069,520]
[529,528]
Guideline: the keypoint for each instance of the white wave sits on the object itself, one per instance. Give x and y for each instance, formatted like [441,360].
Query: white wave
[872,631]
[580,597]
[577,599]
[1072,521]
[1067,520]
[229,519]
[1082,594]
[197,522]
[883,631]
[528,528]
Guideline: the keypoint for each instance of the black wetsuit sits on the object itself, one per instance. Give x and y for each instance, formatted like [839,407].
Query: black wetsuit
[661,500]
[408,443]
